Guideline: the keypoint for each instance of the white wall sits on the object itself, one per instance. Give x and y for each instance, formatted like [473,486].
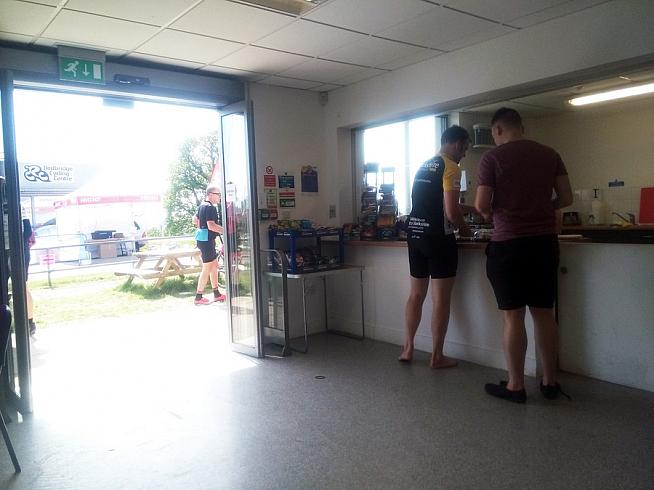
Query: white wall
[289,133]
[609,33]
[598,147]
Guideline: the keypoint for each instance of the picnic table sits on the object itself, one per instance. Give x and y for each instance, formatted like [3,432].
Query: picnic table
[167,263]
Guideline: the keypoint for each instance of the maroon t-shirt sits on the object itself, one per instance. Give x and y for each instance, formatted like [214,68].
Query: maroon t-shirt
[522,174]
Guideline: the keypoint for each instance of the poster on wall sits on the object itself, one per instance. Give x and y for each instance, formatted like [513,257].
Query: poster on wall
[269,179]
[286,202]
[286,191]
[271,197]
[309,179]
[287,182]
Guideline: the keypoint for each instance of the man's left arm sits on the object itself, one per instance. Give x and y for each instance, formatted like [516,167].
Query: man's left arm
[212,221]
[451,194]
[453,212]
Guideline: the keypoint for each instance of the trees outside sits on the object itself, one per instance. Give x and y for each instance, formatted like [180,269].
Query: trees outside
[189,178]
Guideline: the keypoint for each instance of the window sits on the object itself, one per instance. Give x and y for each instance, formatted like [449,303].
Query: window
[399,149]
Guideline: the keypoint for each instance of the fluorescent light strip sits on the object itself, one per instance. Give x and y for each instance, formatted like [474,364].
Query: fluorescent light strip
[613,94]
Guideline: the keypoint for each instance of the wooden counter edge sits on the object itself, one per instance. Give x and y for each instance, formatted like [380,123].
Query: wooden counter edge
[460,244]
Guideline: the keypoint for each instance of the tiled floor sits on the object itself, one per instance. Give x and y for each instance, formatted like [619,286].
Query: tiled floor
[161,402]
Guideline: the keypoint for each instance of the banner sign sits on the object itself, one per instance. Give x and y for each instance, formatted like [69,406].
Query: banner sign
[85,200]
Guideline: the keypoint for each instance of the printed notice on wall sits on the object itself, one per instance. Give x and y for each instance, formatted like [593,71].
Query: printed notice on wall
[287,181]
[309,179]
[286,191]
[285,202]
[271,197]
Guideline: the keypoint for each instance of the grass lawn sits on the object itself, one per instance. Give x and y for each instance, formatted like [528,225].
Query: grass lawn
[104,295]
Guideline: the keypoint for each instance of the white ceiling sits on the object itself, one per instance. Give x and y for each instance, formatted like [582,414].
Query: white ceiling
[335,44]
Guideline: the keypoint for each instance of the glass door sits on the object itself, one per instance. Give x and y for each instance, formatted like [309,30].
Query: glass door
[241,236]
[16,375]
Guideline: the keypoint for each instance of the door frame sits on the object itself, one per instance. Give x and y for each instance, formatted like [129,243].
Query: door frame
[10,79]
[21,400]
[246,108]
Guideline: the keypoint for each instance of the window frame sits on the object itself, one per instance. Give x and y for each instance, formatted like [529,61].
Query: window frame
[358,150]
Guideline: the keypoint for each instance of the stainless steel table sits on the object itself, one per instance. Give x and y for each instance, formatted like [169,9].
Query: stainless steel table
[323,274]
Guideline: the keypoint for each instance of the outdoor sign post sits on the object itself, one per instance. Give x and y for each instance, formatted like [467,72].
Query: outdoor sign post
[81,65]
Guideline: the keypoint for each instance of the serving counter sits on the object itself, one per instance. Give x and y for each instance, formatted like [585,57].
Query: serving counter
[605,308]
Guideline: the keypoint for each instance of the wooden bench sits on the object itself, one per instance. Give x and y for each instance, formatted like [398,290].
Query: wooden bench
[167,264]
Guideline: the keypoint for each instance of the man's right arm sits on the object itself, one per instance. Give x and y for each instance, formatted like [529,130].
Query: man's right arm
[483,201]
[564,197]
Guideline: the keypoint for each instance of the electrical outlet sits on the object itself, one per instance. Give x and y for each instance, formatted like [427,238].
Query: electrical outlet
[332,211]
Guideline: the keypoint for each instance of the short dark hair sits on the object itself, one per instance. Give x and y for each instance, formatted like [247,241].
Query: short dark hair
[508,117]
[454,134]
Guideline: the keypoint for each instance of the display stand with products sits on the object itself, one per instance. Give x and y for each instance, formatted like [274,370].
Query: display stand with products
[369,210]
[303,248]
[387,211]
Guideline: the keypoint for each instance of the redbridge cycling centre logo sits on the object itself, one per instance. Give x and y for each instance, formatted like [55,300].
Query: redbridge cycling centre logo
[35,172]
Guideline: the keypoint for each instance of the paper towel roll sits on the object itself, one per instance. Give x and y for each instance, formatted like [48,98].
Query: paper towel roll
[597,208]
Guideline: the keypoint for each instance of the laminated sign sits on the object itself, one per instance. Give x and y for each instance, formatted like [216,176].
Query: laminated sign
[287,181]
[309,179]
[271,197]
[286,191]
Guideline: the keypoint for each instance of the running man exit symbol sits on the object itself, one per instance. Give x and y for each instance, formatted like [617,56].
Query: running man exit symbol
[81,70]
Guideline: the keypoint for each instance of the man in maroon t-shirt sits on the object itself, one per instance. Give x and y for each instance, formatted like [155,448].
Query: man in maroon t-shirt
[521,184]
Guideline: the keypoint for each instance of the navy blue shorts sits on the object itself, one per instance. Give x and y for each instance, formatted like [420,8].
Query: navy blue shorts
[523,271]
[207,251]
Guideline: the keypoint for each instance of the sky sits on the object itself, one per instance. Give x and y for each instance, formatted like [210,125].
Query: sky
[132,148]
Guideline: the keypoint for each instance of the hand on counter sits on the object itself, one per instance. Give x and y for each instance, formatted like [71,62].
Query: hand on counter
[465,231]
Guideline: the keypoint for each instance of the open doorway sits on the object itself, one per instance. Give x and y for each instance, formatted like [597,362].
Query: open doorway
[102,181]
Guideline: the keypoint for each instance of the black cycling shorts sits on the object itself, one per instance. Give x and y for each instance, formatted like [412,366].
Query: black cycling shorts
[523,271]
[208,251]
[437,258]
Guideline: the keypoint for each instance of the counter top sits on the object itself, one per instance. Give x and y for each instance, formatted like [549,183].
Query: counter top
[643,234]
[461,243]
[577,228]
[467,244]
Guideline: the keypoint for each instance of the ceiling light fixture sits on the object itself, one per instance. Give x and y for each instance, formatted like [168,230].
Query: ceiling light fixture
[613,94]
[294,7]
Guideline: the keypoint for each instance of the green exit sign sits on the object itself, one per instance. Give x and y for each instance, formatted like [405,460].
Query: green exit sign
[81,70]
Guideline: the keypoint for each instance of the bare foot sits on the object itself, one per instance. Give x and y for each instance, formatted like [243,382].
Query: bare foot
[442,362]
[406,355]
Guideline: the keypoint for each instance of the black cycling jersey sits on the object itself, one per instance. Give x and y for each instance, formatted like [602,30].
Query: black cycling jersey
[427,217]
[209,212]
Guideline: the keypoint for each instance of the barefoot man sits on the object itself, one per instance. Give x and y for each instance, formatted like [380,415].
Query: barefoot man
[435,214]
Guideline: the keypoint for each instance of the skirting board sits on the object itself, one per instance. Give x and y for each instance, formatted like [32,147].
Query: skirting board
[479,355]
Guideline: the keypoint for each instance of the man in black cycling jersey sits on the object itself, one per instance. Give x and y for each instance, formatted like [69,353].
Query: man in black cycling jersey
[435,214]
[209,225]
